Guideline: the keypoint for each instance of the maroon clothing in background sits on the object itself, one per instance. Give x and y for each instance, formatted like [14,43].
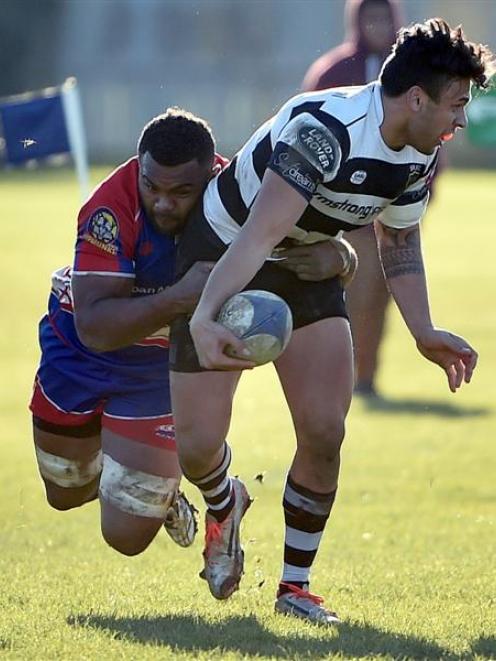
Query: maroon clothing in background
[346,64]
[351,63]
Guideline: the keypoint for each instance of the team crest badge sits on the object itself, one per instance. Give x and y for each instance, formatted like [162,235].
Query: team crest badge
[103,226]
[358,177]
[416,170]
[103,230]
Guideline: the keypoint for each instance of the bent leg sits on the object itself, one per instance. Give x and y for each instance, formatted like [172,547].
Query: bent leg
[139,482]
[66,406]
[202,403]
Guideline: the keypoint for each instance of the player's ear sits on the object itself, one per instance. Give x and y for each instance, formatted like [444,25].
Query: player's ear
[416,98]
[216,168]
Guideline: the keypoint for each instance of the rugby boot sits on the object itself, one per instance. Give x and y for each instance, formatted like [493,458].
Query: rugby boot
[305,605]
[223,554]
[181,522]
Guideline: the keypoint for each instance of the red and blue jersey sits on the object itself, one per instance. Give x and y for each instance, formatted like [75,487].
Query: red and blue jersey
[115,238]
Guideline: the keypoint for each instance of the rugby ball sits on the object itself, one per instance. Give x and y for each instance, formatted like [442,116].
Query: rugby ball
[262,320]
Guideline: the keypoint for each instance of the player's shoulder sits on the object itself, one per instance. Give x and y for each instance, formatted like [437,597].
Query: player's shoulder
[325,116]
[350,103]
[117,193]
[120,185]
[345,104]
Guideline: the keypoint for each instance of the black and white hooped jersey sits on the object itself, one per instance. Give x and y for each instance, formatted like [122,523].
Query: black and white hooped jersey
[328,146]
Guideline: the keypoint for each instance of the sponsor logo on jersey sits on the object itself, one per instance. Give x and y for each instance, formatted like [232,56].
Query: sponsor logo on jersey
[294,172]
[317,147]
[148,290]
[103,230]
[165,431]
[363,211]
[320,148]
[358,177]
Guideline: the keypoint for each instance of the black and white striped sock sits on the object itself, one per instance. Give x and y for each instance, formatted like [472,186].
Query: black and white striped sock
[216,488]
[305,515]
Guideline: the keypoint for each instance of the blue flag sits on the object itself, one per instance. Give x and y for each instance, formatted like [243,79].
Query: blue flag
[34,129]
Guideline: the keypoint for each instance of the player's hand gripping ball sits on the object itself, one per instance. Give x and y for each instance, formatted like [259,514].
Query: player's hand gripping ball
[262,320]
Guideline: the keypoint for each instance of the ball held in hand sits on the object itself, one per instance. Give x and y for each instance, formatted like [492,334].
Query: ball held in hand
[262,320]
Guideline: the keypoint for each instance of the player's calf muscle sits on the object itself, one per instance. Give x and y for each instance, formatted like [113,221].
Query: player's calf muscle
[126,533]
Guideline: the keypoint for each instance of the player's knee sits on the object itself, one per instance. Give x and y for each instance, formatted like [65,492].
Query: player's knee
[67,499]
[193,462]
[323,436]
[134,505]
[193,448]
[69,483]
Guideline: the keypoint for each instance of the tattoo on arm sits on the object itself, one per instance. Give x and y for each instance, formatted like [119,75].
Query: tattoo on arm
[400,251]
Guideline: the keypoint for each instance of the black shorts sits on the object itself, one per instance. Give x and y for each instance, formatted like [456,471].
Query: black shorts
[309,301]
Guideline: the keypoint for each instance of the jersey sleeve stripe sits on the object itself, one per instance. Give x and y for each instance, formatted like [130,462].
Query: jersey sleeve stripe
[400,217]
[114,274]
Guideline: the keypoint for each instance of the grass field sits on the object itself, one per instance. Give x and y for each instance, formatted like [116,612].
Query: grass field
[409,557]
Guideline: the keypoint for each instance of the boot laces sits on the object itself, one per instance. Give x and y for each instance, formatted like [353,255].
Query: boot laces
[213,532]
[303,594]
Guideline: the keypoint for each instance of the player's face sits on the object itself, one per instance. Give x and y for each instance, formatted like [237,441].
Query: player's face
[376,26]
[169,193]
[437,122]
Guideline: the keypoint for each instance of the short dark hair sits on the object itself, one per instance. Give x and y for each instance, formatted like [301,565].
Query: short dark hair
[430,55]
[177,136]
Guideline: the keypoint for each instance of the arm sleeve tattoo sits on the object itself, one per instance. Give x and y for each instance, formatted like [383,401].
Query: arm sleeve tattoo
[400,251]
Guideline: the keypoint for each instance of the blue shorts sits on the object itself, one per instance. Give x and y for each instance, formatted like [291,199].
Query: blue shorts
[72,389]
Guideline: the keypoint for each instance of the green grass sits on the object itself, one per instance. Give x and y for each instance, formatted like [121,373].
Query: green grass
[408,558]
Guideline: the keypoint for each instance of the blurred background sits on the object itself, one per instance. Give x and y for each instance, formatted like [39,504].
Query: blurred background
[410,557]
[231,61]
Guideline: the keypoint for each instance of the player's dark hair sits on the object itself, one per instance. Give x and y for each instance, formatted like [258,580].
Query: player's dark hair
[177,136]
[430,55]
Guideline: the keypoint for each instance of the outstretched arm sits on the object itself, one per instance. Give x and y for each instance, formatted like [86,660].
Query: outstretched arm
[401,256]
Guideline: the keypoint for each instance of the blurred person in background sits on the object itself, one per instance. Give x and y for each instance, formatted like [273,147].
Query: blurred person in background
[371,26]
[102,422]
